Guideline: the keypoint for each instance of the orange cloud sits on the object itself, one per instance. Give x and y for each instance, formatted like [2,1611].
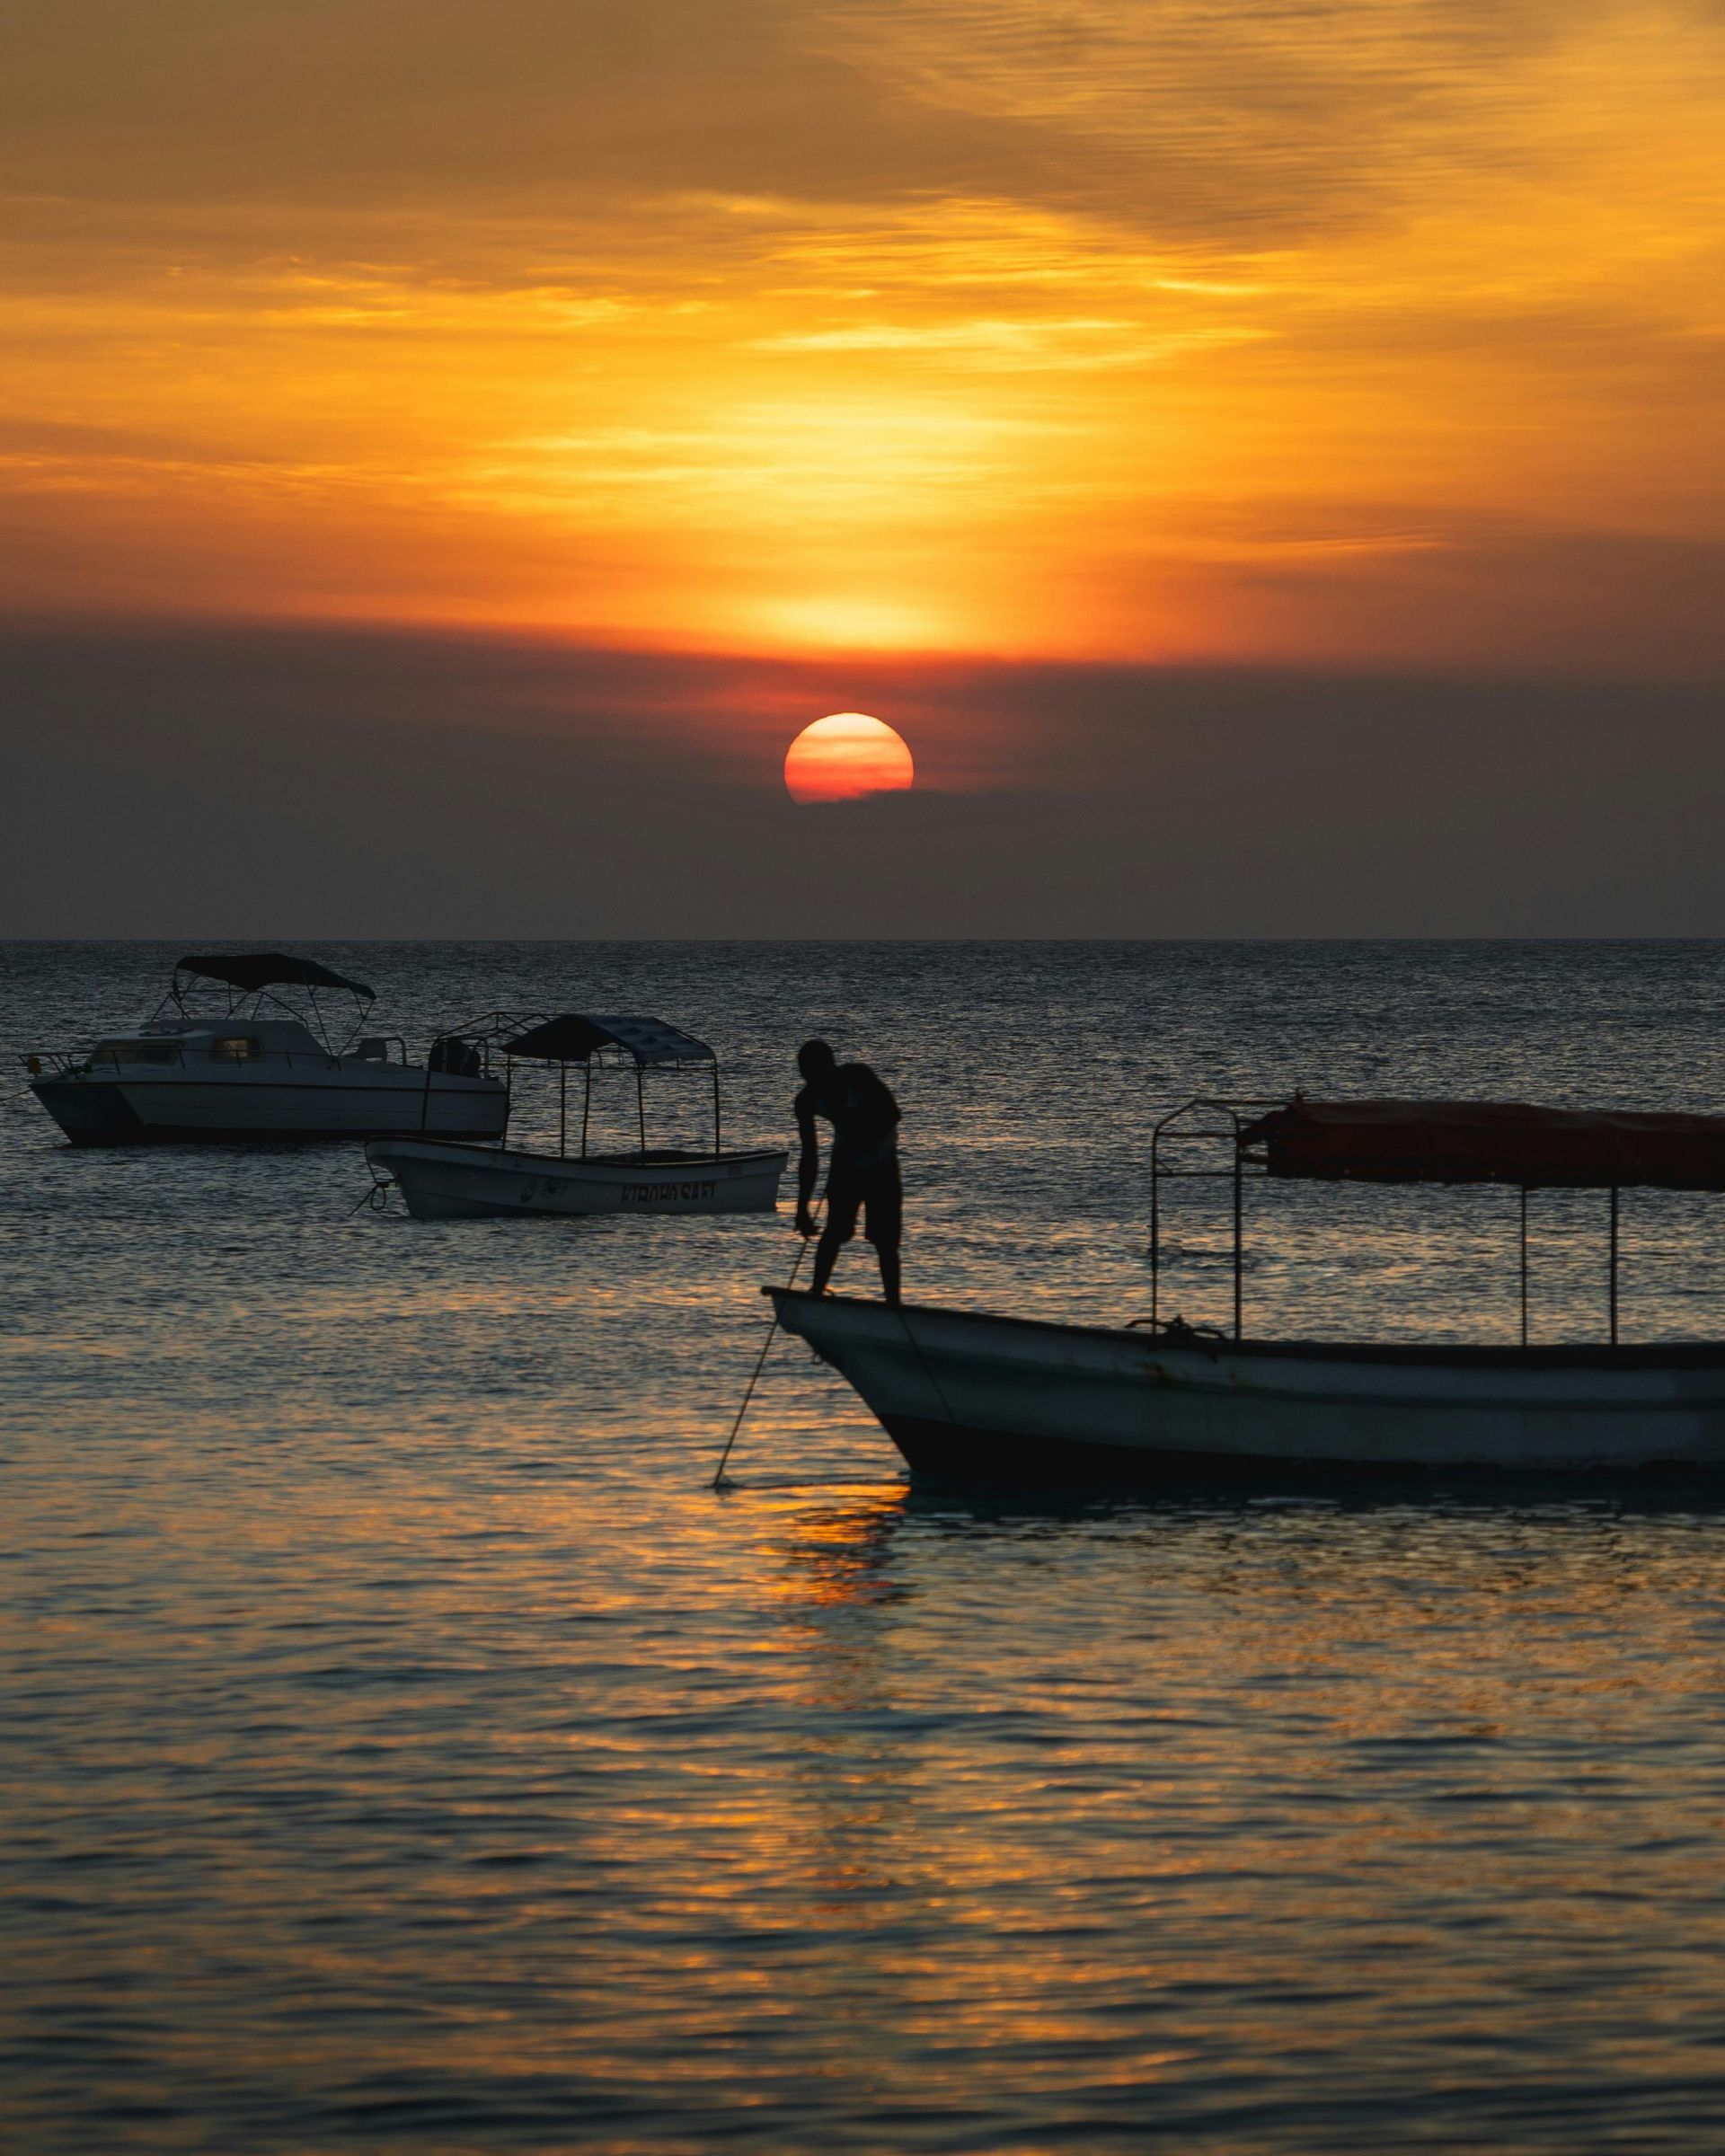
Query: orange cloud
[1198,332]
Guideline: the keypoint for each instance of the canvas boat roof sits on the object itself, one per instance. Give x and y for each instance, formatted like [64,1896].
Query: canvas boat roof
[1489,1142]
[251,970]
[576,1038]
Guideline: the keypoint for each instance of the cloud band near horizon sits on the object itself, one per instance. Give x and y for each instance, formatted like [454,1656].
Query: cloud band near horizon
[1344,335]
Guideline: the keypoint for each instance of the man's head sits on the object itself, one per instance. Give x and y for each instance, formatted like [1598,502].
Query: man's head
[815,1058]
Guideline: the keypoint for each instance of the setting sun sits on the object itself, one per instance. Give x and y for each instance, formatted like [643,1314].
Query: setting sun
[845,756]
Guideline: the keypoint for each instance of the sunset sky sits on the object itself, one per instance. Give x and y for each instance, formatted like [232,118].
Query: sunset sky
[723,366]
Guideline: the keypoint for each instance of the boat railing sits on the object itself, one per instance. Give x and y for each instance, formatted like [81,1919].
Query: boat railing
[1216,1121]
[384,1041]
[332,1060]
[482,1037]
[75,1063]
[1219,1118]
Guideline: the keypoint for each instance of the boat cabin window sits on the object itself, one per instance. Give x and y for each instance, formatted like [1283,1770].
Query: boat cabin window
[238,1047]
[129,1051]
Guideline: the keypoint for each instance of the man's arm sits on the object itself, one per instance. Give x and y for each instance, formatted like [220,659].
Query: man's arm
[807,1164]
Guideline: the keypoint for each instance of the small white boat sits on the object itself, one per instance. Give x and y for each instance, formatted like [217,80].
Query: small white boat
[441,1180]
[253,1068]
[985,1398]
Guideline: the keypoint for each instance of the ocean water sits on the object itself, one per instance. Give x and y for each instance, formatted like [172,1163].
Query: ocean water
[405,1750]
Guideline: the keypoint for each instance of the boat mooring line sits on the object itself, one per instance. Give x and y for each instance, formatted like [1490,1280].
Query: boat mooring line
[928,1373]
[887,1482]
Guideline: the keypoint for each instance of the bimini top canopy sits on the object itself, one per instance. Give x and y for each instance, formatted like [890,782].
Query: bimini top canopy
[252,970]
[574,1039]
[1489,1142]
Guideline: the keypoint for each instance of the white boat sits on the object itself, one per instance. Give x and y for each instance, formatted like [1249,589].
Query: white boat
[441,1180]
[987,1398]
[983,1398]
[253,1067]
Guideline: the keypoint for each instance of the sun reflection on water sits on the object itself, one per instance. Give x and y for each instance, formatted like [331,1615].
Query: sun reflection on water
[404,1741]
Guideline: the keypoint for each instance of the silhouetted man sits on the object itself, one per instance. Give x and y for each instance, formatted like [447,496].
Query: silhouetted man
[864,1171]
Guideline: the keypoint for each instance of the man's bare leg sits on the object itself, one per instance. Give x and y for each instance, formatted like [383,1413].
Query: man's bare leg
[826,1258]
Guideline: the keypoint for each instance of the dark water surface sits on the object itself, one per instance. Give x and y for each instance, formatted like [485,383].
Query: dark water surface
[403,1750]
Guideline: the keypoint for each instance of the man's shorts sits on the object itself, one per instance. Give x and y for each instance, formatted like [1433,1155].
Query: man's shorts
[880,1194]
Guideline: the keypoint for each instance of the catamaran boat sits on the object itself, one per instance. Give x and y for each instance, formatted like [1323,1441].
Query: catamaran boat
[445,1181]
[988,1398]
[227,1057]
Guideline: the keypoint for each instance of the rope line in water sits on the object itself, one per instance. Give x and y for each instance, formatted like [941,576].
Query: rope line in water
[760,1361]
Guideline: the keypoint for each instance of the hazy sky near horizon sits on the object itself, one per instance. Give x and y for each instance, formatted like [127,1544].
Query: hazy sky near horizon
[912,348]
[270,785]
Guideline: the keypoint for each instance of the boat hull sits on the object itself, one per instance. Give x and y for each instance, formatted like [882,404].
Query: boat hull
[982,1399]
[186,1108]
[443,1182]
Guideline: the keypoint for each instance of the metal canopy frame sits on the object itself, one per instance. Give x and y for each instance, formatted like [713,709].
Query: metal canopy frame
[1169,1131]
[184,995]
[1224,1120]
[489,1034]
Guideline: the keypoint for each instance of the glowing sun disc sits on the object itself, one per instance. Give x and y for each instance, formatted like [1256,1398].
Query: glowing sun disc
[845,756]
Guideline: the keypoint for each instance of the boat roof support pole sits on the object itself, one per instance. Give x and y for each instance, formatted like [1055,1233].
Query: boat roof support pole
[1239,1224]
[1612,1267]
